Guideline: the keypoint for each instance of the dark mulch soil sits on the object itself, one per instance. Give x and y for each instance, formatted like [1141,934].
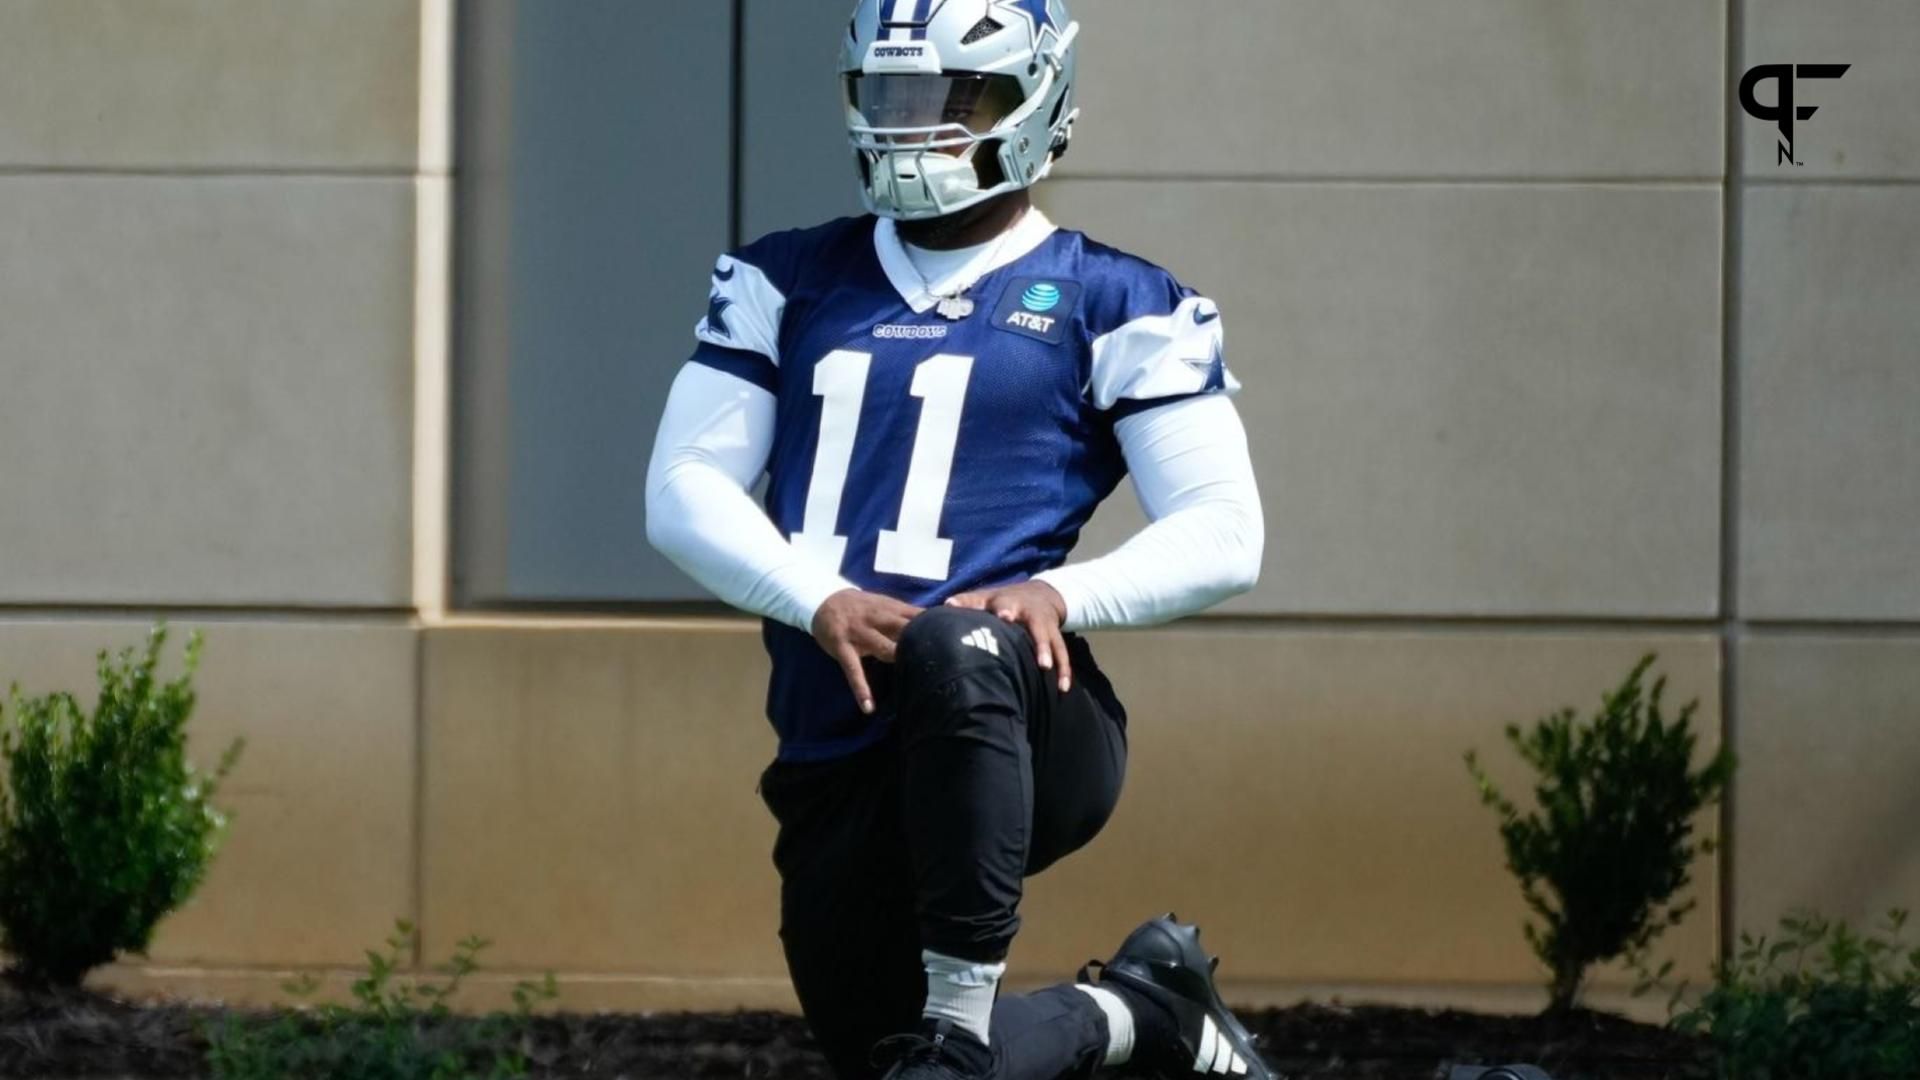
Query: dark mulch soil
[87,1035]
[1329,1042]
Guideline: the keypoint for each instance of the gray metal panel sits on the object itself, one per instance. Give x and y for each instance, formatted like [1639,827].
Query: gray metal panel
[795,166]
[483,283]
[600,223]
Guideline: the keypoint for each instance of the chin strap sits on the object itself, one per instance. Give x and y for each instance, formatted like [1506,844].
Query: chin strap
[1061,140]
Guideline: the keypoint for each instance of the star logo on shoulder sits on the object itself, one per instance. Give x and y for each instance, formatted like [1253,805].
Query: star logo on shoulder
[717,306]
[1214,367]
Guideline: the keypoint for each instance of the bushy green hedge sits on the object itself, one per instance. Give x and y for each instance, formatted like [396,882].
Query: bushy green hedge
[1819,1002]
[105,827]
[1610,840]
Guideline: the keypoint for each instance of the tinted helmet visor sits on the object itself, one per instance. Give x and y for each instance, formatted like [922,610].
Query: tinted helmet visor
[918,104]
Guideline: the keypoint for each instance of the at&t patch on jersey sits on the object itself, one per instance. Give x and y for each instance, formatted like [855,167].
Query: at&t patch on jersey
[1038,307]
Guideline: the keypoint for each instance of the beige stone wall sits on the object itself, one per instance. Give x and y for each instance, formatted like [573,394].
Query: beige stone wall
[1517,346]
[320,859]
[1534,385]
[1827,478]
[207,265]
[218,220]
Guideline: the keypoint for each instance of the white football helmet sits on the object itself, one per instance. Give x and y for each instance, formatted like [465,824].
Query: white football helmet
[952,102]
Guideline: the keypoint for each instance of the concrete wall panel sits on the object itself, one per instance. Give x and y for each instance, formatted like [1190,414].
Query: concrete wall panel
[209,84]
[209,390]
[1573,88]
[1302,796]
[319,859]
[590,800]
[1830,388]
[1462,399]
[1829,745]
[1866,127]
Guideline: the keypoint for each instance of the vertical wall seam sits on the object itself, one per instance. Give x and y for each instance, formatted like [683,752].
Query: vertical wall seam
[432,310]
[432,442]
[432,471]
[1730,628]
[736,149]
[416,903]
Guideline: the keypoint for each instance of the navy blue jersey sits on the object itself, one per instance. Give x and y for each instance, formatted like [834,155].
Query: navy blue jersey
[920,456]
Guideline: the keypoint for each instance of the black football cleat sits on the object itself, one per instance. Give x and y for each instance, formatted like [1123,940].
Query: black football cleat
[938,1051]
[1162,962]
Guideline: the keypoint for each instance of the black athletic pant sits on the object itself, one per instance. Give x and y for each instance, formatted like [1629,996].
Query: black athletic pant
[989,775]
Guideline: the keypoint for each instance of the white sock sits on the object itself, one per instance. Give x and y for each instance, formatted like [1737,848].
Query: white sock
[961,991]
[1119,1023]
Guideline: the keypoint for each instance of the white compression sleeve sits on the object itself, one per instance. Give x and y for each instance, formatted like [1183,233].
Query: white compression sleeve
[1191,471]
[713,444]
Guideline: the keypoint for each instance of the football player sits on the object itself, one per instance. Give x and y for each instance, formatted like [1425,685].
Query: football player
[939,393]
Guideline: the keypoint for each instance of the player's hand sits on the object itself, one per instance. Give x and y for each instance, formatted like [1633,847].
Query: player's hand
[852,624]
[1037,606]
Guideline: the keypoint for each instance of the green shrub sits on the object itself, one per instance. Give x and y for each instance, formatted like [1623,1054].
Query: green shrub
[104,825]
[1822,1002]
[394,1030]
[1610,841]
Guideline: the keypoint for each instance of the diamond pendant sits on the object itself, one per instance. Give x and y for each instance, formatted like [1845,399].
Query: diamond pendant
[954,307]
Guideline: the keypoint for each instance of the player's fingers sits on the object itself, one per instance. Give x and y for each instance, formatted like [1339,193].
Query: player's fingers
[891,624]
[1063,663]
[879,644]
[1050,650]
[1035,625]
[976,601]
[849,658]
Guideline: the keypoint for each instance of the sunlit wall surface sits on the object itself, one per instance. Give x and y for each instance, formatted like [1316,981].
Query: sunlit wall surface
[1549,363]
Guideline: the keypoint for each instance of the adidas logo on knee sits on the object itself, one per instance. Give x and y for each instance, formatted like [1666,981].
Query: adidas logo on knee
[983,640]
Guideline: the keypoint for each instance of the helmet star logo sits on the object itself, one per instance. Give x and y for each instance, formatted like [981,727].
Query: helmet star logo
[1038,11]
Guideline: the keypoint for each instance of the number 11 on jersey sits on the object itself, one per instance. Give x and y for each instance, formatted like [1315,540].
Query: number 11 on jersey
[914,548]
